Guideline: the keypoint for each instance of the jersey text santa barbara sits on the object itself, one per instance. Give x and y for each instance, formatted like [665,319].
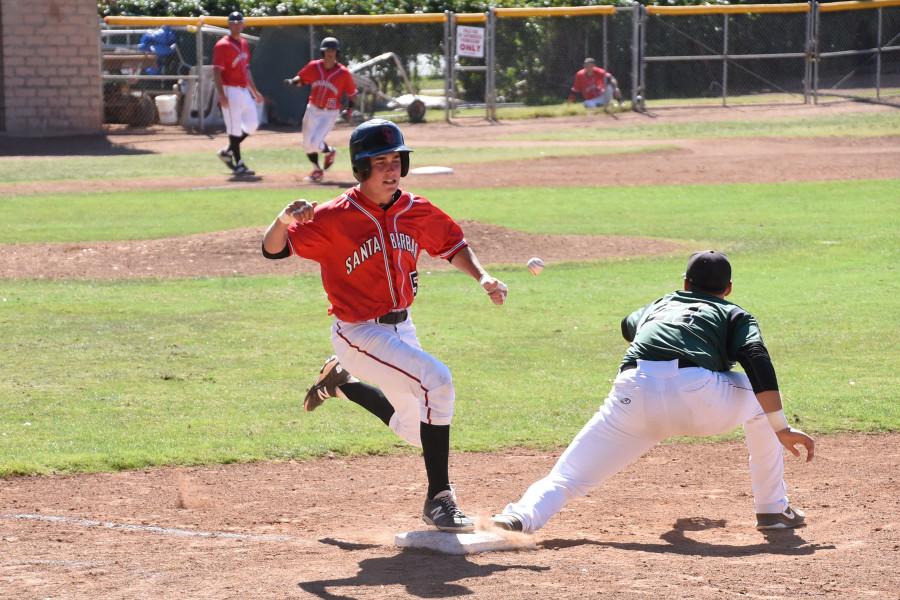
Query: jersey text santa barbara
[368,254]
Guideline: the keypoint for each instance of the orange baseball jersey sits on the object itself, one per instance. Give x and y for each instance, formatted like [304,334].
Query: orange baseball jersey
[589,84]
[232,57]
[327,85]
[368,255]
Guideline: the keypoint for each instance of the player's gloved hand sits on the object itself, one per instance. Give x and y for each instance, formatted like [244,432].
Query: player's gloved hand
[347,115]
[494,288]
[298,211]
[790,437]
[288,82]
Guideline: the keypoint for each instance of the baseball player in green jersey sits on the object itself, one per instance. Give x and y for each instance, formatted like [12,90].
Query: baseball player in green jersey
[675,379]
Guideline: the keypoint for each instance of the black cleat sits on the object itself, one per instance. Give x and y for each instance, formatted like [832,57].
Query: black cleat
[227,157]
[331,375]
[442,512]
[507,522]
[788,519]
[241,170]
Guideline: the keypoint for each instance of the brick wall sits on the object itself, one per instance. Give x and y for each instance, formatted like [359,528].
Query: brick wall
[51,67]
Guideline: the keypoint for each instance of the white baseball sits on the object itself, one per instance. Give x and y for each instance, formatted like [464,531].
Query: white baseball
[535,265]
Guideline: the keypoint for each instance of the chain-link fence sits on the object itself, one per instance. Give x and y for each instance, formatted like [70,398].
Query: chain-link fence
[411,67]
[537,57]
[696,56]
[858,53]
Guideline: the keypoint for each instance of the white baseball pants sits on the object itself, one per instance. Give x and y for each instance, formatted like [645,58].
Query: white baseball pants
[240,116]
[646,405]
[601,100]
[417,385]
[317,123]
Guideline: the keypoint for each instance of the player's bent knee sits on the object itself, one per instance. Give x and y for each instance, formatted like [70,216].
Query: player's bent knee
[438,405]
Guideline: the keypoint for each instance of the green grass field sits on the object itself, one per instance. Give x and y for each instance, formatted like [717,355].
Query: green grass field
[110,375]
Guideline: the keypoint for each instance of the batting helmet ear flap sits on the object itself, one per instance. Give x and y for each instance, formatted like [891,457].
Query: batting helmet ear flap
[404,164]
[362,169]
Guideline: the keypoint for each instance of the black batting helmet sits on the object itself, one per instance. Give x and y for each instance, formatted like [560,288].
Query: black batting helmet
[374,138]
[329,43]
[236,17]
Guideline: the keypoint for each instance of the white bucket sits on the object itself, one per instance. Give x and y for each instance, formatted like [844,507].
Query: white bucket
[165,106]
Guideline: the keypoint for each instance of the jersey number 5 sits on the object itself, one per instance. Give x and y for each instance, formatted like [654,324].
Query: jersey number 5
[414,282]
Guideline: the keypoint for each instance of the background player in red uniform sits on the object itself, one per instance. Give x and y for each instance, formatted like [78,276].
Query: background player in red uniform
[597,86]
[367,242]
[237,92]
[329,80]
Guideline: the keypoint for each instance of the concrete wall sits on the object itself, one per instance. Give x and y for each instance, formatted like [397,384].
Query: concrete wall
[50,67]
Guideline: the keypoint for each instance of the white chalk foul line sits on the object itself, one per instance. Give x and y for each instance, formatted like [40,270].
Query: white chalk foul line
[150,528]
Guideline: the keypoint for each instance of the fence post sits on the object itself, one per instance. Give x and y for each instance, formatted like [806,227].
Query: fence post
[815,50]
[201,77]
[637,57]
[605,44]
[449,51]
[725,59]
[878,59]
[490,80]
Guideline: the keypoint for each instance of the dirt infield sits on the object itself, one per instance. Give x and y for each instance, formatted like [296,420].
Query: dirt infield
[676,524]
[237,252]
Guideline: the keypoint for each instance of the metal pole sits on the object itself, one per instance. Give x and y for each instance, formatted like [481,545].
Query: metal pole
[643,50]
[635,55]
[878,60]
[807,60]
[452,64]
[201,77]
[605,49]
[815,57]
[725,60]
[312,41]
[491,91]
[448,64]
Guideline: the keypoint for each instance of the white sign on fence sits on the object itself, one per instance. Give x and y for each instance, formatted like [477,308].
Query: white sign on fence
[470,41]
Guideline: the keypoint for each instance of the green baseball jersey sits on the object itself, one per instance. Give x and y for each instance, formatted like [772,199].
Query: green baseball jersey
[705,330]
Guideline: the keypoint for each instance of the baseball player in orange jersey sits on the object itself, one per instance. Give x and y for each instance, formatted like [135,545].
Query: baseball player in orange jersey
[238,95]
[676,379]
[367,242]
[329,80]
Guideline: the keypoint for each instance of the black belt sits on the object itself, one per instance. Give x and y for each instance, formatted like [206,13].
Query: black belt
[683,363]
[392,318]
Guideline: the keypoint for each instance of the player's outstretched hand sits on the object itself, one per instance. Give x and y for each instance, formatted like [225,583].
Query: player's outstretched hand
[495,288]
[790,437]
[288,82]
[299,211]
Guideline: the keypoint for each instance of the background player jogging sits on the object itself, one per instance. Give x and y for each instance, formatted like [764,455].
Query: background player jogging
[329,80]
[675,379]
[367,242]
[238,95]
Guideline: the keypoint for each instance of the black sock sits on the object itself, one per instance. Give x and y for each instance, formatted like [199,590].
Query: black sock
[436,452]
[370,398]
[313,158]
[234,144]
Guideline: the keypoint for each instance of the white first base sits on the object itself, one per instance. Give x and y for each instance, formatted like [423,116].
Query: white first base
[463,543]
[431,171]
